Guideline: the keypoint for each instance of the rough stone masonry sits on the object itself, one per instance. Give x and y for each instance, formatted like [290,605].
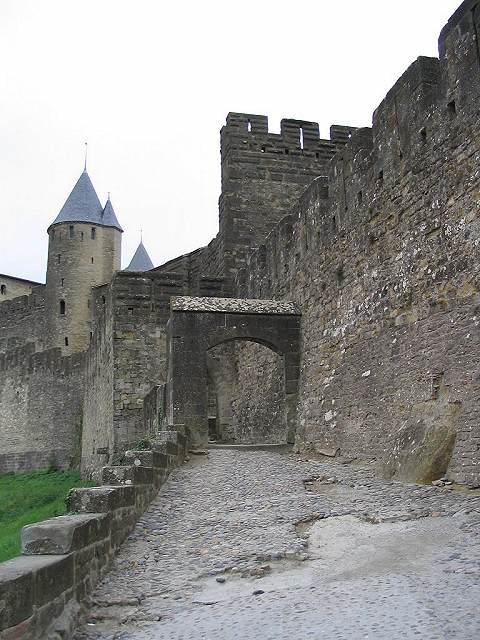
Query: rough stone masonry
[372,233]
[337,309]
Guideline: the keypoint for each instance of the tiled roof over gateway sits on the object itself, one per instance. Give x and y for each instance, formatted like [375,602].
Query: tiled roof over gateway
[83,205]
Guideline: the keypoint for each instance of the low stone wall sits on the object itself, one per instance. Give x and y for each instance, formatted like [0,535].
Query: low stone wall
[41,592]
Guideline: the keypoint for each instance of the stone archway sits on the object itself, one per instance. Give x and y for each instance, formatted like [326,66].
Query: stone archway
[198,324]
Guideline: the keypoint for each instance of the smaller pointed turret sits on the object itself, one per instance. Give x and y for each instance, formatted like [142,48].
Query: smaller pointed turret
[141,260]
[109,218]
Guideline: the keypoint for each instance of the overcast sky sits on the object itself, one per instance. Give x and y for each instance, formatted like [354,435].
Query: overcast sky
[148,83]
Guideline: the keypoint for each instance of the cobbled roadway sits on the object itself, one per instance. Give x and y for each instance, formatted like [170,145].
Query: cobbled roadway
[251,544]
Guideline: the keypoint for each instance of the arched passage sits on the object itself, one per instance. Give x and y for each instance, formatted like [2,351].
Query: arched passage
[197,325]
[246,393]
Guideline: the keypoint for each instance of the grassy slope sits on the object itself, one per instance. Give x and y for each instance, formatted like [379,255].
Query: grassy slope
[31,497]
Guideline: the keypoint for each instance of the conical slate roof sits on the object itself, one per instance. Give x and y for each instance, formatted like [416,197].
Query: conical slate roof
[109,219]
[141,260]
[83,205]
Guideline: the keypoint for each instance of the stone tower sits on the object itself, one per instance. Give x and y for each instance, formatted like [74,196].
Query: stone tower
[84,250]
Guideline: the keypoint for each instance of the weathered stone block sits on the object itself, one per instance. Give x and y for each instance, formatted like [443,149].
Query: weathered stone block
[127,475]
[100,499]
[64,534]
[17,590]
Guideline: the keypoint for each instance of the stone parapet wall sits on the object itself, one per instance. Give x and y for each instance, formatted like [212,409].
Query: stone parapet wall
[42,591]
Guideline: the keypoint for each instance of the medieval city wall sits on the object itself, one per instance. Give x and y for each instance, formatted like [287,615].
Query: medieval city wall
[22,320]
[263,175]
[11,287]
[40,409]
[126,359]
[383,259]
[97,430]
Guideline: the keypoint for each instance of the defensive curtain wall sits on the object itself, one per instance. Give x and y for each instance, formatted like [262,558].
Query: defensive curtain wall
[380,255]
[382,258]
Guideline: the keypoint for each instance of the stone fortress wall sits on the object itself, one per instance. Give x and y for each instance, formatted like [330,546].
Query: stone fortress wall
[379,252]
[128,357]
[11,287]
[22,319]
[40,409]
[382,257]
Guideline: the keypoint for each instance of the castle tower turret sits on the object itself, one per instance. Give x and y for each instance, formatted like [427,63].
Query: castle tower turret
[84,250]
[141,260]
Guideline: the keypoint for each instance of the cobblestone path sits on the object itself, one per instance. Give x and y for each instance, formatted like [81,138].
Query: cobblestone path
[248,545]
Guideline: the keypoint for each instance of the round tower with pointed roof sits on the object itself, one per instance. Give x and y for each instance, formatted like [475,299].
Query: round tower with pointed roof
[84,250]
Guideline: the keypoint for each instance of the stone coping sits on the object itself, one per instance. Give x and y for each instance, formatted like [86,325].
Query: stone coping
[233,305]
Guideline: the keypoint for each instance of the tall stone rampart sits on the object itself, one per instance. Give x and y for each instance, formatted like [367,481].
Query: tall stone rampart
[383,259]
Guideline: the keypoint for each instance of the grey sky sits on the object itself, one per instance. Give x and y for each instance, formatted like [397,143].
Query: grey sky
[149,83]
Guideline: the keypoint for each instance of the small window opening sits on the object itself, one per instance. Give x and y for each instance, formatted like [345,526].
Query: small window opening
[301,137]
[91,335]
[263,149]
[349,135]
[380,175]
[92,260]
[81,236]
[63,281]
[103,299]
[88,303]
[334,223]
[360,197]
[93,232]
[317,155]
[249,126]
[62,307]
[452,108]
[71,231]
[130,311]
[59,257]
[423,135]
[66,342]
[287,152]
[3,289]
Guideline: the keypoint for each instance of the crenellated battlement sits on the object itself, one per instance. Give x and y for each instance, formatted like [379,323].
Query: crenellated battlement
[249,133]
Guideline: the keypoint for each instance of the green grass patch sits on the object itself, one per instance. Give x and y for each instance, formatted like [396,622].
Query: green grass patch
[31,497]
